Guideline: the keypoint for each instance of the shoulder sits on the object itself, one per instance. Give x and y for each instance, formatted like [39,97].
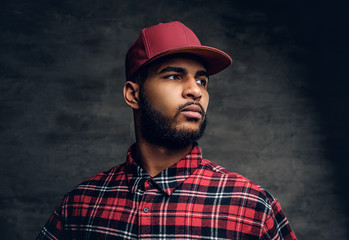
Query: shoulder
[247,201]
[113,174]
[237,183]
[101,182]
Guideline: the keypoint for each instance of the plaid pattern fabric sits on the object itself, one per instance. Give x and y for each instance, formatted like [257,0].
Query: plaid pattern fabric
[193,199]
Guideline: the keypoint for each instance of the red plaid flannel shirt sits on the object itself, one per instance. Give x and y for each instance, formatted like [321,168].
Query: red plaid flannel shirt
[193,199]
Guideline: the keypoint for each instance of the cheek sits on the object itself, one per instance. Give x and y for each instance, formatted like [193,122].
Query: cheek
[162,99]
[205,101]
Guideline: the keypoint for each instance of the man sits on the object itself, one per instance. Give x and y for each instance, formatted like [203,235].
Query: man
[165,189]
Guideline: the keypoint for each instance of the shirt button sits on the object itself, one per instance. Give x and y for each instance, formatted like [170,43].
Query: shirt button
[146,209]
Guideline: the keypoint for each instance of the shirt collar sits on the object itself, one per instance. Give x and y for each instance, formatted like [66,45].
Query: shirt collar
[167,180]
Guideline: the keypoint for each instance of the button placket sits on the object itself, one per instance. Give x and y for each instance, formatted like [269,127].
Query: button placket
[147,196]
[144,208]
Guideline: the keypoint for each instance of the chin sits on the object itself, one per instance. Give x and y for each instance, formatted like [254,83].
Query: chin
[189,128]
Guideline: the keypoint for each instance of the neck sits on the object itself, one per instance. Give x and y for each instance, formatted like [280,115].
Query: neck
[154,159]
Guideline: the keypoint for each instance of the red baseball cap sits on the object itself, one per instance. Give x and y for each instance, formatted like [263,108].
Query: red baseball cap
[170,38]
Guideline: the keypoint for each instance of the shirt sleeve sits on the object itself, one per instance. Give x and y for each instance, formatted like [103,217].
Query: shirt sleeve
[277,226]
[53,228]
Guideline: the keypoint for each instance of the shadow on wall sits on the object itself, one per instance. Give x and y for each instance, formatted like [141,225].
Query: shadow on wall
[322,30]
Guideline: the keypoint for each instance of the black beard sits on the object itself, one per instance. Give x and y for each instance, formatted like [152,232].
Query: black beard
[156,128]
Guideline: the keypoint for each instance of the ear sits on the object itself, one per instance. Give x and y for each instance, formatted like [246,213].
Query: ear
[131,94]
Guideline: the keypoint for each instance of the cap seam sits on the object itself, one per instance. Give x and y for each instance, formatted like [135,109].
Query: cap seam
[186,38]
[146,45]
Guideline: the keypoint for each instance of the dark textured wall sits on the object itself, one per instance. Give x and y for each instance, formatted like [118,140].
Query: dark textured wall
[278,115]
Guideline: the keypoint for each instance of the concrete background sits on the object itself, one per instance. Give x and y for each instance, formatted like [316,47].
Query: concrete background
[278,116]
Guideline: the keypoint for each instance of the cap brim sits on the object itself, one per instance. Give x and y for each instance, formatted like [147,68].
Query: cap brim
[215,59]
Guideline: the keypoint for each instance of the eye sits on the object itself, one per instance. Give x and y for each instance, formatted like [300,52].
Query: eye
[173,77]
[202,82]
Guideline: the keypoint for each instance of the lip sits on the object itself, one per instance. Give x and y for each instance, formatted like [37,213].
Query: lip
[192,111]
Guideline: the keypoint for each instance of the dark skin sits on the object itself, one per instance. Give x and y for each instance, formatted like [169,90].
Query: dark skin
[174,82]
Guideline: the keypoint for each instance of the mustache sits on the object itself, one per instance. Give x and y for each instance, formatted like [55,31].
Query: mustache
[181,107]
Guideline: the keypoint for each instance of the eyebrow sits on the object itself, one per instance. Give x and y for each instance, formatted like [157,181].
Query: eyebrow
[183,71]
[173,69]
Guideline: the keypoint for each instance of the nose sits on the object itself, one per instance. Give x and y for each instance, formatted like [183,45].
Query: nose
[192,89]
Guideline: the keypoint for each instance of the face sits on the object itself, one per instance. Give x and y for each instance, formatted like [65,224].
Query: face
[173,102]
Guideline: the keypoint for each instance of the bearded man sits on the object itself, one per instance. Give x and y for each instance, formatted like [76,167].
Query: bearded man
[166,189]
